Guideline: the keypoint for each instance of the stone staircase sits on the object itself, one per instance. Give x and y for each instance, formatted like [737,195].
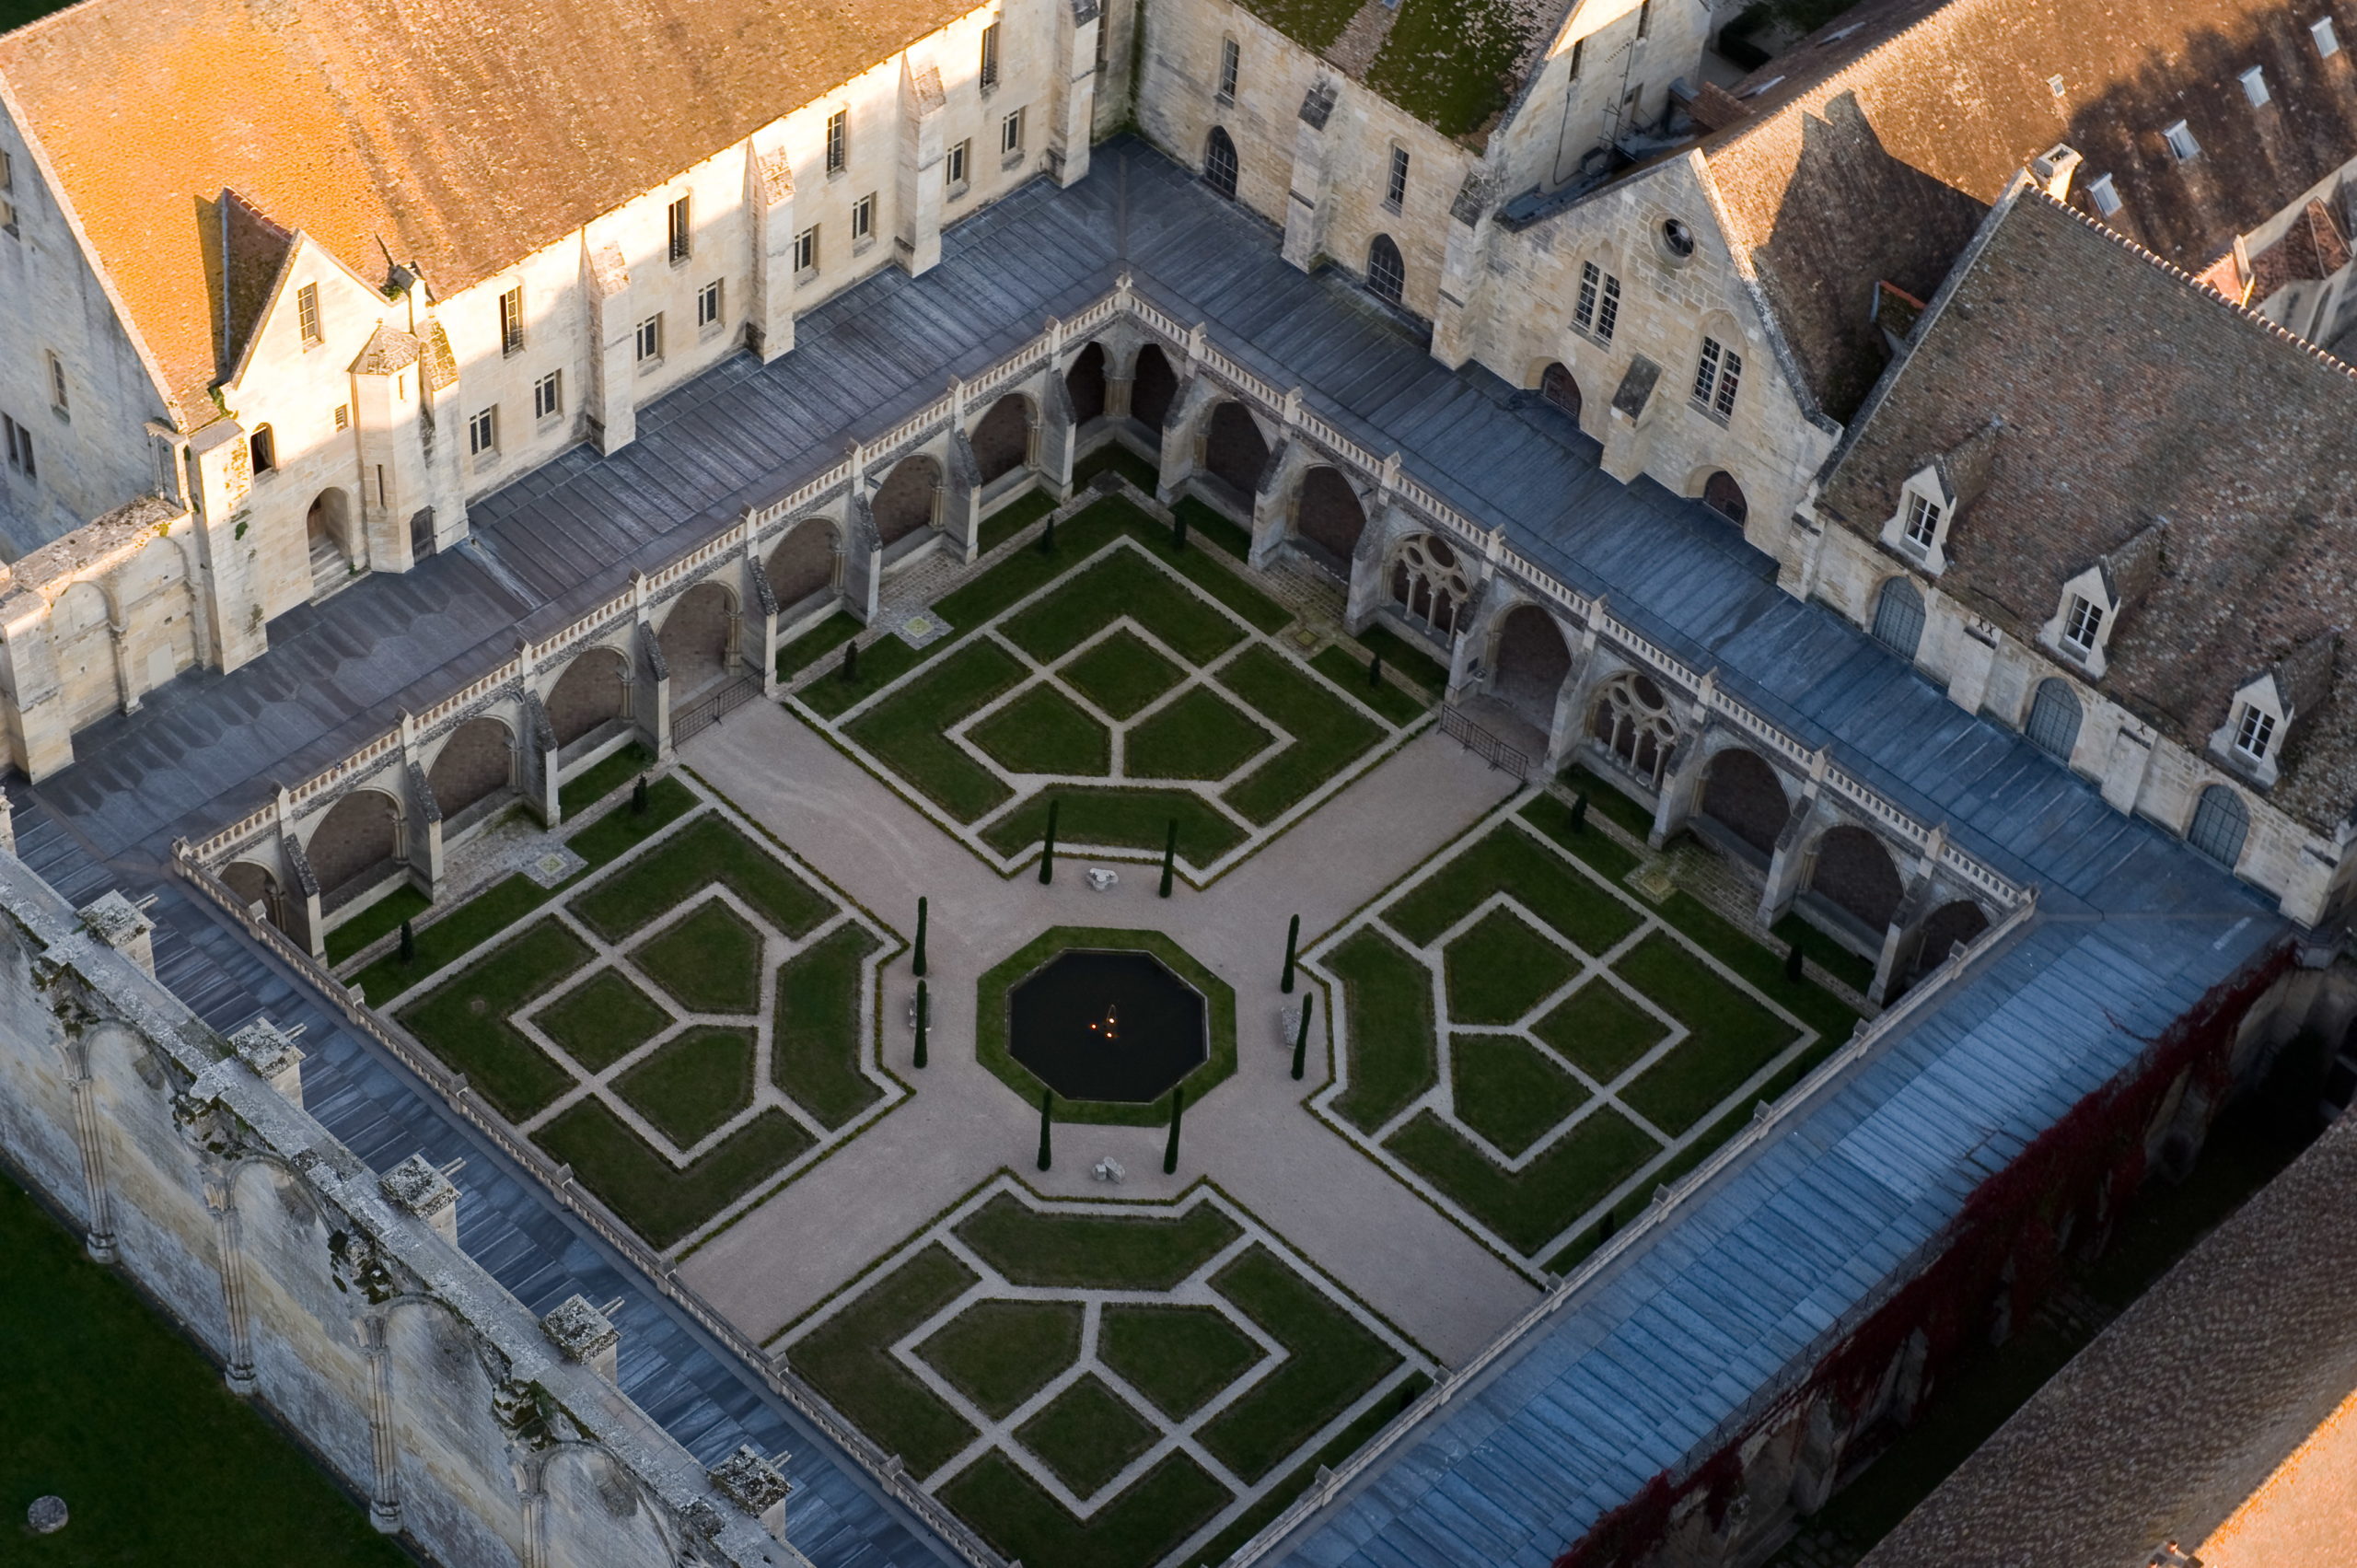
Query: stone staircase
[332,570]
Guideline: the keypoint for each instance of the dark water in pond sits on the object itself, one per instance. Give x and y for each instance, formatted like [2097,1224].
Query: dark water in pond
[1107,1026]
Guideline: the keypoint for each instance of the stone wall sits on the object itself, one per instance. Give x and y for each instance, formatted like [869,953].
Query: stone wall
[333,1294]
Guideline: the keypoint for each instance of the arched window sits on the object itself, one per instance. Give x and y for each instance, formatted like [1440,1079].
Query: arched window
[1898,618]
[1219,162]
[263,447]
[2054,724]
[1387,275]
[1722,495]
[1429,584]
[1555,385]
[1633,720]
[2220,823]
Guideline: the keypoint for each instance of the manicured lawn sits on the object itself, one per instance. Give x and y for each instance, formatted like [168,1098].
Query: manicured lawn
[602,1019]
[814,1043]
[603,777]
[105,1406]
[1500,968]
[1122,583]
[464,1021]
[1328,733]
[380,919]
[1043,731]
[1347,670]
[849,1359]
[1094,1252]
[658,1199]
[1122,674]
[693,1083]
[706,852]
[1508,1092]
[710,961]
[1198,735]
[1114,458]
[881,663]
[1331,1360]
[1026,570]
[1507,861]
[999,1353]
[1731,1036]
[1136,1529]
[1207,521]
[1392,1054]
[1087,1435]
[1210,571]
[1413,660]
[1348,1440]
[1014,517]
[1849,968]
[1551,815]
[1530,1208]
[618,832]
[816,644]
[1177,1356]
[1604,798]
[1600,1030]
[1762,968]
[1118,817]
[907,731]
[464,928]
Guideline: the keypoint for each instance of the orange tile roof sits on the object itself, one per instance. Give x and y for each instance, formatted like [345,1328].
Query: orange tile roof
[463,135]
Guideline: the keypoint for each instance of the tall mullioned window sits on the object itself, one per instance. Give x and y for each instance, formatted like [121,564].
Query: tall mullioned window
[1231,59]
[1716,376]
[1599,303]
[683,234]
[1396,192]
[511,320]
[838,140]
[548,395]
[990,57]
[482,432]
[306,312]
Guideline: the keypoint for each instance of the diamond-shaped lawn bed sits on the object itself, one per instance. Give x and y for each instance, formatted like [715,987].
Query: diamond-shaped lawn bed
[1501,969]
[1198,735]
[602,1019]
[1086,1436]
[999,1353]
[1122,674]
[1043,731]
[709,960]
[1507,1090]
[1040,1023]
[1177,1356]
[693,1083]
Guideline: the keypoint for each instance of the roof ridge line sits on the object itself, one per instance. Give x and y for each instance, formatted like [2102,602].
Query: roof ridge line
[2154,259]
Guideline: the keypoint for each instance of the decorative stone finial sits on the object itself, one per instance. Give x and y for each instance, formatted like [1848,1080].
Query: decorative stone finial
[584,1334]
[415,1185]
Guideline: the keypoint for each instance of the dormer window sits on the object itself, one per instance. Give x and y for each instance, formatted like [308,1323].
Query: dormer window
[2328,40]
[2254,732]
[2104,194]
[2254,87]
[1922,521]
[2082,626]
[2179,138]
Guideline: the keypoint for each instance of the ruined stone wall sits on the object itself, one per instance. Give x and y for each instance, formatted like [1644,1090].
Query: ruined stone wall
[334,1293]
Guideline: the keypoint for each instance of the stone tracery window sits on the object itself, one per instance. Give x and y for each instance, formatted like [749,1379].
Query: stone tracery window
[1428,582]
[1633,720]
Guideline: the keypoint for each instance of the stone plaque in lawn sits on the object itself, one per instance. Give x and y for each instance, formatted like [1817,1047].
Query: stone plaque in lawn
[1105,1025]
[709,960]
[1501,969]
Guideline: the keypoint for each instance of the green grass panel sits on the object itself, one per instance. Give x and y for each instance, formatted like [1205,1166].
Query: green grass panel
[816,644]
[849,1359]
[693,1083]
[602,778]
[1198,735]
[1500,968]
[1451,63]
[1600,1031]
[106,1406]
[1605,797]
[1137,1530]
[1026,570]
[1114,458]
[660,1201]
[1731,1036]
[1843,965]
[1222,578]
[1280,1494]
[1761,967]
[1043,731]
[1122,674]
[1207,521]
[999,1353]
[1391,1050]
[815,1043]
[881,663]
[1347,670]
[1121,584]
[1094,1252]
[710,961]
[1177,1356]
[1087,1435]
[1411,659]
[1508,1091]
[619,831]
[1328,736]
[1508,860]
[1014,517]
[907,731]
[1551,815]
[1530,1208]
[464,928]
[602,1019]
[1119,818]
[706,852]
[1332,1359]
[380,919]
[464,1021]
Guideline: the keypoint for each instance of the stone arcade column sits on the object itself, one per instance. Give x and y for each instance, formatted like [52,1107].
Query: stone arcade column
[960,515]
[1059,436]
[862,568]
[764,600]
[1180,435]
[540,768]
[651,693]
[1683,785]
[1788,867]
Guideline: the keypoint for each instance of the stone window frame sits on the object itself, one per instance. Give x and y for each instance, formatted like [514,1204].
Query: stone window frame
[647,339]
[548,396]
[2089,588]
[2105,195]
[958,167]
[838,146]
[712,307]
[1926,486]
[1231,66]
[1011,138]
[680,229]
[986,70]
[1395,188]
[2257,725]
[482,434]
[511,321]
[307,315]
[1718,380]
[1595,309]
[806,254]
[2181,140]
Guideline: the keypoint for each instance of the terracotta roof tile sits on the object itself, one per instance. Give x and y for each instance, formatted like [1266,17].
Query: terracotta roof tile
[2311,250]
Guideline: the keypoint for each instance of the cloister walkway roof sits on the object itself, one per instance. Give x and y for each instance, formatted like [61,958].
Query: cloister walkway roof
[1658,1353]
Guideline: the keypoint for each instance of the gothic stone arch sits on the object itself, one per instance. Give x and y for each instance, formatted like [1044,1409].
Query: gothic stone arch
[909,499]
[1742,793]
[254,884]
[1430,583]
[358,838]
[1235,452]
[476,763]
[594,690]
[804,564]
[698,634]
[1853,872]
[1950,926]
[1002,438]
[1085,384]
[1631,721]
[1328,516]
[1528,661]
[1155,387]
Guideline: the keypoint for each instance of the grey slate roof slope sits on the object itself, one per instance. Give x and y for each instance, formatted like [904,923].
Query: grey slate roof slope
[1673,1342]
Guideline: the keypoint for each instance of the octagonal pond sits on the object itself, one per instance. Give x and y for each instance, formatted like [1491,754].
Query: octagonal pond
[1107,1026]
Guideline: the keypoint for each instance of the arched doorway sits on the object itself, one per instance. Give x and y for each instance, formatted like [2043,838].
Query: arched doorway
[1085,384]
[803,562]
[326,529]
[1631,720]
[1854,873]
[1329,515]
[909,499]
[1557,387]
[1951,926]
[1428,582]
[1722,495]
[1002,440]
[257,889]
[475,763]
[1234,450]
[1386,271]
[592,690]
[1898,618]
[1153,389]
[1743,794]
[697,637]
[1531,660]
[1219,162]
[356,843]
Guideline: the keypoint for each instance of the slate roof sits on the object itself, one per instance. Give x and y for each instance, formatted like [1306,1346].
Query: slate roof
[462,135]
[1680,1338]
[2127,394]
[1872,148]
[2178,1416]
